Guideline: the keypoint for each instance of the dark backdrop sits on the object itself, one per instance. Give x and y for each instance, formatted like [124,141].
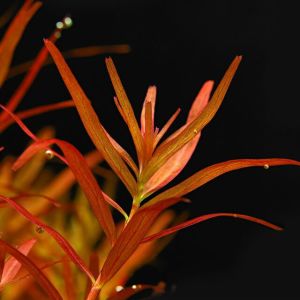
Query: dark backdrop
[177,45]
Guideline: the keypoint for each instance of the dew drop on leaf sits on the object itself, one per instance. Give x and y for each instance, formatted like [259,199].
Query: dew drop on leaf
[49,154]
[39,229]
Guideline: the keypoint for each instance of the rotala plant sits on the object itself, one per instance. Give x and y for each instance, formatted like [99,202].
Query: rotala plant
[158,161]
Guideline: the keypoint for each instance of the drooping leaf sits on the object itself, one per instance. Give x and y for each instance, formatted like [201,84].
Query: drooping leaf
[62,242]
[13,35]
[12,265]
[91,121]
[27,130]
[85,178]
[209,173]
[126,107]
[167,149]
[203,218]
[28,113]
[38,275]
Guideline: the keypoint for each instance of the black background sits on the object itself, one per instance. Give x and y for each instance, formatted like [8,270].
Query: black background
[178,45]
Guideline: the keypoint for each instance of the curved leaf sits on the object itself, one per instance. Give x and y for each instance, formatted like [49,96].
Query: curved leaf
[12,265]
[33,270]
[167,149]
[207,174]
[91,122]
[85,178]
[196,220]
[62,242]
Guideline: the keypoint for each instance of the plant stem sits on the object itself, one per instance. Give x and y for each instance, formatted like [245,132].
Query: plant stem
[95,290]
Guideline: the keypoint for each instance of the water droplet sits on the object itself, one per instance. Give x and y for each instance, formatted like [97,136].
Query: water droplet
[266,166]
[39,229]
[49,154]
[60,25]
[119,288]
[195,131]
[68,22]
[134,287]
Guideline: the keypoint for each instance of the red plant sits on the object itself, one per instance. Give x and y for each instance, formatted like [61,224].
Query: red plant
[158,163]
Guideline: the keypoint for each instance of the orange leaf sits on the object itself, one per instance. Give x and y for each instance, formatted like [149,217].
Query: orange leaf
[36,111]
[131,237]
[27,130]
[26,83]
[178,161]
[209,173]
[207,217]
[12,265]
[62,242]
[13,35]
[167,149]
[91,121]
[85,178]
[33,270]
[126,108]
[150,98]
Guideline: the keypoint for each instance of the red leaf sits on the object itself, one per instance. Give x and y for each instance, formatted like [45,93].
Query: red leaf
[126,107]
[85,178]
[168,148]
[207,217]
[63,243]
[35,111]
[12,265]
[26,83]
[33,270]
[91,122]
[207,174]
[178,161]
[27,130]
[131,237]
[13,35]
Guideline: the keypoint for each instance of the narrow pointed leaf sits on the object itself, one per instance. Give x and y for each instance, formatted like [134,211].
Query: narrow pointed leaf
[26,83]
[150,98]
[12,265]
[62,242]
[73,53]
[13,35]
[178,161]
[166,127]
[203,218]
[91,121]
[126,107]
[85,178]
[35,112]
[209,173]
[131,237]
[44,282]
[123,153]
[27,130]
[168,149]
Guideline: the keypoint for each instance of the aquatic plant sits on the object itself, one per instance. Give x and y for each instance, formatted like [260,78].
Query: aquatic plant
[86,228]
